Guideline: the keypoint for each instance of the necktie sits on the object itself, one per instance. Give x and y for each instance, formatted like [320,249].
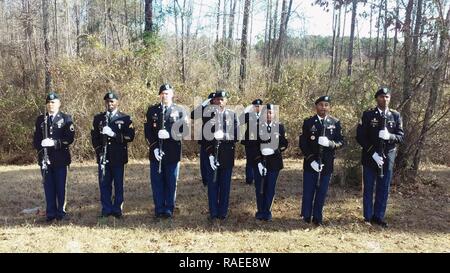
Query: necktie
[269,128]
[51,119]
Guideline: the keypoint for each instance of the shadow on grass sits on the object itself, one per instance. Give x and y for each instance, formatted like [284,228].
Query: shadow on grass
[22,188]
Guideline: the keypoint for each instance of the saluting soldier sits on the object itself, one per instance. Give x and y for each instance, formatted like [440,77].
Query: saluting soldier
[271,142]
[221,133]
[321,137]
[197,113]
[378,132]
[250,118]
[165,127]
[54,132]
[111,132]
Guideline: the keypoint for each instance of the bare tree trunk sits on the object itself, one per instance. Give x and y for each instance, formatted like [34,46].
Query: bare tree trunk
[285,13]
[77,25]
[230,50]
[183,52]
[274,32]
[397,25]
[218,22]
[141,19]
[177,48]
[336,49]
[385,34]
[377,43]
[333,41]
[416,35]
[28,28]
[224,22]
[105,25]
[48,78]
[352,38]
[369,53]
[55,29]
[126,28]
[435,89]
[148,16]
[266,33]
[269,36]
[341,49]
[403,158]
[188,25]
[113,28]
[243,67]
[68,29]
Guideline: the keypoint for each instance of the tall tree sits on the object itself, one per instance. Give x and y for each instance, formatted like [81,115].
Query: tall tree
[218,21]
[230,39]
[243,67]
[48,78]
[403,158]
[352,38]
[385,35]
[76,8]
[148,16]
[416,35]
[435,88]
[278,55]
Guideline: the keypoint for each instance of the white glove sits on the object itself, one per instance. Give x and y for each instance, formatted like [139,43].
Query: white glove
[219,135]
[262,169]
[316,167]
[163,134]
[48,142]
[158,155]
[324,141]
[213,163]
[108,131]
[384,134]
[206,102]
[378,159]
[248,108]
[267,151]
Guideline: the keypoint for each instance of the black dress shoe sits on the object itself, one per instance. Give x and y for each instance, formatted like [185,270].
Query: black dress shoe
[317,222]
[379,222]
[104,215]
[307,220]
[118,215]
[165,215]
[212,219]
[49,219]
[64,218]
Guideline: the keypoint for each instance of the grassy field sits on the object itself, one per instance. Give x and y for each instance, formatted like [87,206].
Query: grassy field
[419,216]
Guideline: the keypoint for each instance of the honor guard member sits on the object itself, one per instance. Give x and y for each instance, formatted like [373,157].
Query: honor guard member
[165,127]
[221,133]
[197,113]
[111,132]
[321,136]
[271,141]
[250,118]
[378,132]
[54,132]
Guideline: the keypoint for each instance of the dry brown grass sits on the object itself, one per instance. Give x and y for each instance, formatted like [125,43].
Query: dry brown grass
[419,216]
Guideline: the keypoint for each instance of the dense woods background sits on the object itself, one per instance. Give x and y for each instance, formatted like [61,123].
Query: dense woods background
[82,48]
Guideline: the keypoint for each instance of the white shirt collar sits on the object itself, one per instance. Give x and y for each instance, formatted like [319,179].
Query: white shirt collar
[53,115]
[320,119]
[381,111]
[168,106]
[113,113]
